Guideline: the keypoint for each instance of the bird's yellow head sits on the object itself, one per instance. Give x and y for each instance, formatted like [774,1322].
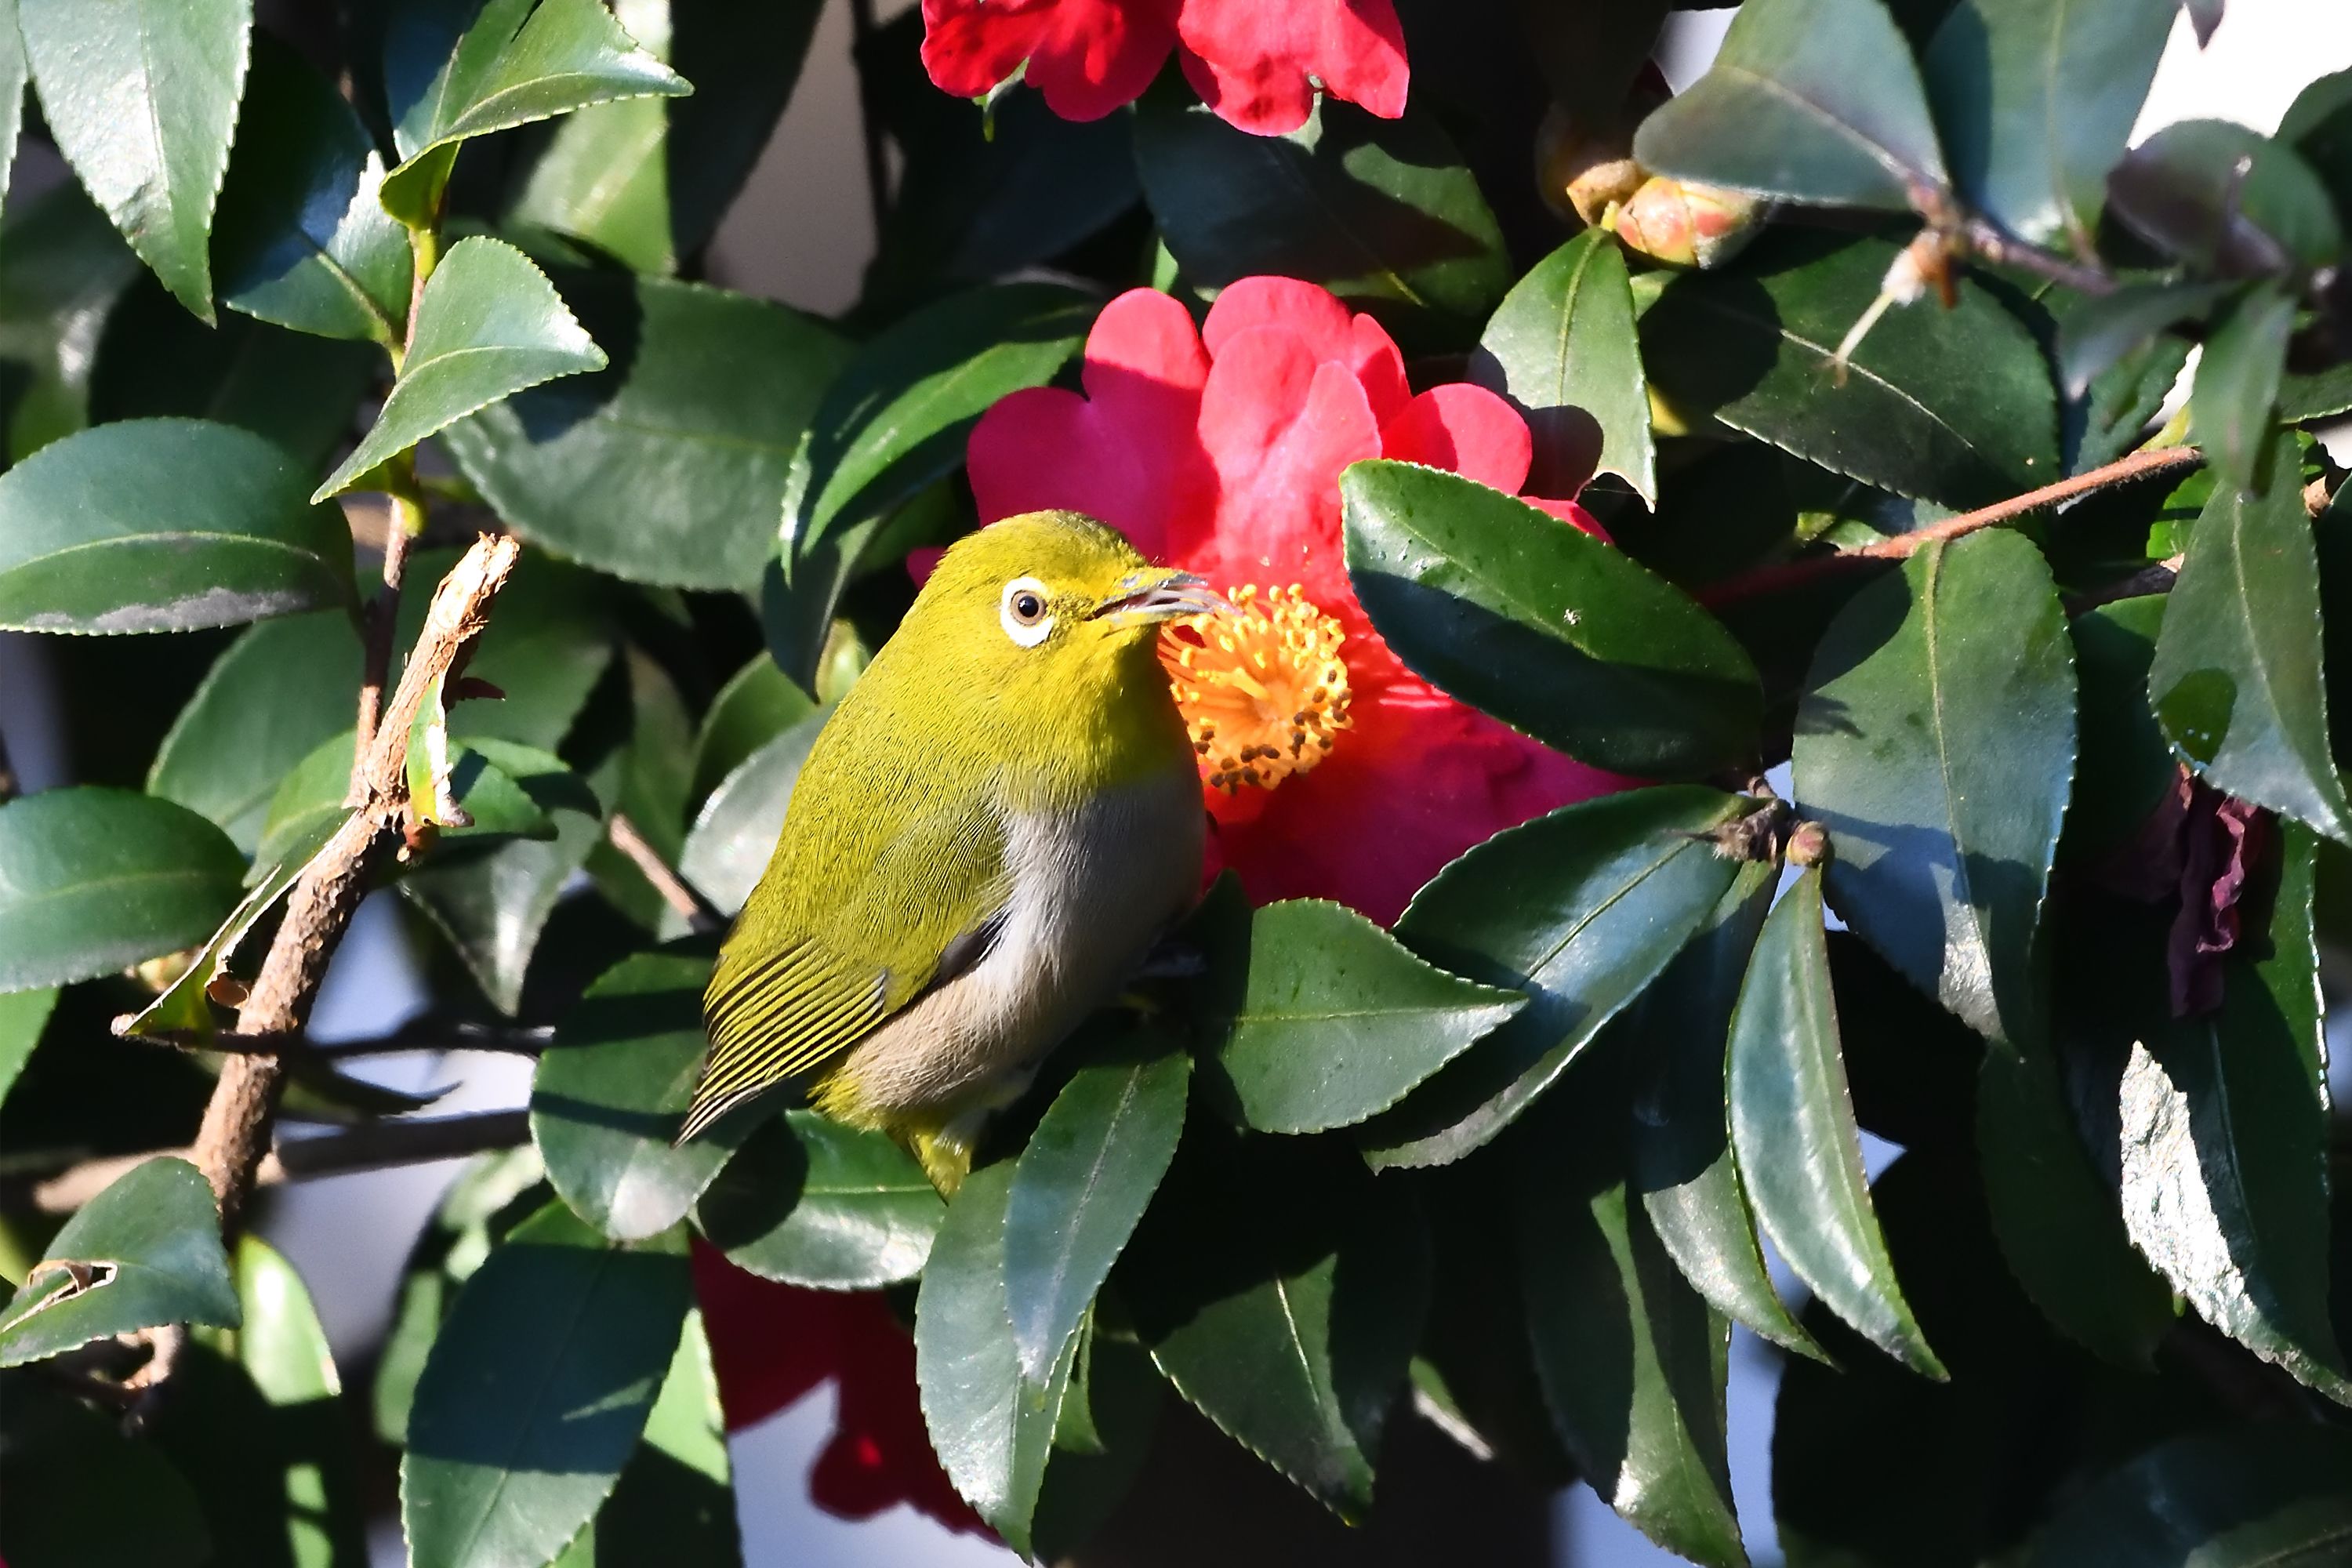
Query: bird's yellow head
[1039,632]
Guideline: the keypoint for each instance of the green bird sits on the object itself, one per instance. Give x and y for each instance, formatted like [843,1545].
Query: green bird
[997,823]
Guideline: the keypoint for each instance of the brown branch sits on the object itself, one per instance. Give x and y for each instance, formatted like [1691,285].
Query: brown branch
[403,521]
[235,1131]
[1793,574]
[676,891]
[1986,240]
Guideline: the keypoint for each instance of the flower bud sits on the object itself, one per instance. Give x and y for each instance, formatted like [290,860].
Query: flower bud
[1579,173]
[1809,844]
[1688,226]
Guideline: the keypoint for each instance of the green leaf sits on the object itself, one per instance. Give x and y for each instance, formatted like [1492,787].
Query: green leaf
[256,1423]
[107,1500]
[675,1502]
[1954,407]
[611,1093]
[2125,768]
[1282,1290]
[302,239]
[645,778]
[1545,627]
[537,1390]
[2096,332]
[735,834]
[492,901]
[2234,1497]
[1681,1165]
[645,180]
[154,360]
[14,74]
[163,525]
[1561,348]
[896,417]
[488,324]
[2224,1139]
[22,1016]
[1632,1360]
[1936,741]
[810,1202]
[2126,399]
[143,103]
[2318,124]
[1101,1443]
[145,1251]
[306,804]
[2225,199]
[2238,381]
[1383,213]
[1081,1184]
[61,264]
[515,61]
[1809,101]
[2318,396]
[1322,1019]
[2236,682]
[669,465]
[1581,909]
[758,703]
[1792,1124]
[991,1427]
[95,879]
[2035,102]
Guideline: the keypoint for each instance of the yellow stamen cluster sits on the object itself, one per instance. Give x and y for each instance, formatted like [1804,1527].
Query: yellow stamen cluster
[1264,690]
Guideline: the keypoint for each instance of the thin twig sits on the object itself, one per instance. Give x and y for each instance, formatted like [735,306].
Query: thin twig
[403,521]
[1792,574]
[425,1034]
[676,891]
[2158,578]
[1986,240]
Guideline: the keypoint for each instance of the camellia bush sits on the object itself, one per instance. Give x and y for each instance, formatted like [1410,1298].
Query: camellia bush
[1738,644]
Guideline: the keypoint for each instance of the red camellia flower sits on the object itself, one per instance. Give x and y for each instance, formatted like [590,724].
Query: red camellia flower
[1255,62]
[1331,770]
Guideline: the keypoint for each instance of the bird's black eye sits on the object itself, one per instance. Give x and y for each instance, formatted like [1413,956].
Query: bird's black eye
[1028,608]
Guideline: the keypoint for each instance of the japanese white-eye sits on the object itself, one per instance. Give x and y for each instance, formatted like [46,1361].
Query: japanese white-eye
[999,820]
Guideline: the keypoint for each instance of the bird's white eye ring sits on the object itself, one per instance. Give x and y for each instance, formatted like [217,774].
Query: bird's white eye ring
[1023,612]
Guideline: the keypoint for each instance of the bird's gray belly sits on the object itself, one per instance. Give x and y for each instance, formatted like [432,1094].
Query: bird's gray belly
[1094,886]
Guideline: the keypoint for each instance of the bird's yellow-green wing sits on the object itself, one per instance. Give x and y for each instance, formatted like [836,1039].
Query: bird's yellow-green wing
[852,922]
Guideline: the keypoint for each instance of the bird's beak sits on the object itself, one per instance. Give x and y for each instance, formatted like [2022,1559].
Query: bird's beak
[1161,596]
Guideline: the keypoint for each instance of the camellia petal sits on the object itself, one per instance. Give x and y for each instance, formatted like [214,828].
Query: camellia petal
[1099,55]
[970,46]
[1258,64]
[1465,429]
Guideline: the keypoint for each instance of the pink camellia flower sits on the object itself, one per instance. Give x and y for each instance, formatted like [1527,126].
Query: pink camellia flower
[1256,62]
[1331,771]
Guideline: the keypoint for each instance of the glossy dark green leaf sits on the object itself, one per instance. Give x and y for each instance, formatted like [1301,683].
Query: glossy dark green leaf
[456,72]
[537,1390]
[1632,1361]
[758,703]
[1546,627]
[94,879]
[1101,1444]
[107,1499]
[991,1427]
[488,324]
[1937,741]
[2318,124]
[2238,384]
[145,1251]
[143,103]
[1954,407]
[2225,199]
[155,360]
[301,239]
[1810,100]
[897,417]
[1581,909]
[669,465]
[1383,213]
[2097,332]
[270,699]
[157,525]
[1561,348]
[2126,399]
[810,1202]
[611,1093]
[492,901]
[2224,1139]
[2318,396]
[2236,682]
[306,804]
[1282,1291]
[1792,1124]
[1322,1019]
[61,264]
[2034,102]
[2126,766]
[645,180]
[2242,1498]
[22,1016]
[1684,1170]
[14,75]
[735,833]
[1080,1185]
[675,1502]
